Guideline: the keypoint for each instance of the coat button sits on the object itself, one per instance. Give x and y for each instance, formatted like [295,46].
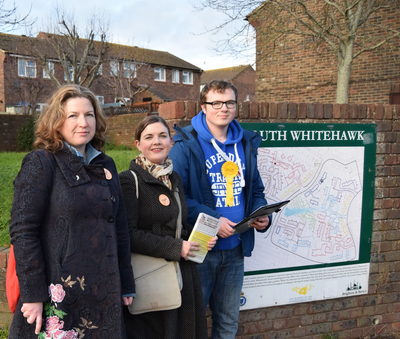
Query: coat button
[110,219]
[112,198]
[104,182]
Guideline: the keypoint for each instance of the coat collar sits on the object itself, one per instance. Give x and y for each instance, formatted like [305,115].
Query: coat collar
[71,167]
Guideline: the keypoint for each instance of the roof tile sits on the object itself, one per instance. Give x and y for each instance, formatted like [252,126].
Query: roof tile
[23,45]
[226,74]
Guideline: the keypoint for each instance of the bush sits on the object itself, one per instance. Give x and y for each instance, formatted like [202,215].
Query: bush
[26,136]
[4,333]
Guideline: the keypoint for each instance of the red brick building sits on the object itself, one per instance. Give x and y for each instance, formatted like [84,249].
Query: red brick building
[157,75]
[293,73]
[243,77]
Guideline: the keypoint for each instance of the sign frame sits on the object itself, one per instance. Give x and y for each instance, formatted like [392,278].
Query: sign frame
[305,135]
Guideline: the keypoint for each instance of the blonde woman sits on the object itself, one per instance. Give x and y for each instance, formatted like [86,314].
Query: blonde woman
[69,227]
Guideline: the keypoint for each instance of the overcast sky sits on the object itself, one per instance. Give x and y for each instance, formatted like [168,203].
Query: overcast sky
[165,25]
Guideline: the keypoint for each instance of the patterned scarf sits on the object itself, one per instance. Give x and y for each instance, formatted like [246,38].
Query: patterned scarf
[160,172]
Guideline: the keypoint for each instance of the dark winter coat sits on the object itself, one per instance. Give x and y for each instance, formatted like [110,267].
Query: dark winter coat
[189,161]
[152,229]
[70,236]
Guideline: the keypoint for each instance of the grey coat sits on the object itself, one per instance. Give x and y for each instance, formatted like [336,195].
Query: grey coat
[70,236]
[152,227]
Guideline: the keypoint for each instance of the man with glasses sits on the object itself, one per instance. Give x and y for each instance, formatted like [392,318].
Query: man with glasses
[217,161]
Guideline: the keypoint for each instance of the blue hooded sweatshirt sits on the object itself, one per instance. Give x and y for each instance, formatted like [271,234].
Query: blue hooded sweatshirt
[189,161]
[214,162]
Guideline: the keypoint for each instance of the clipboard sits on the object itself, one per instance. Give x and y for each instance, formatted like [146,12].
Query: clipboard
[266,210]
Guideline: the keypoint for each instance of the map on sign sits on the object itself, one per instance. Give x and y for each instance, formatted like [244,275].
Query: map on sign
[322,222]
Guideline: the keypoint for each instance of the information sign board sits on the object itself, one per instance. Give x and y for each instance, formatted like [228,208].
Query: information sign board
[318,246]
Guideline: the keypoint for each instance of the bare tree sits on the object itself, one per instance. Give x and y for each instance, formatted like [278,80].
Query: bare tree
[28,94]
[10,19]
[342,29]
[125,64]
[79,57]
[29,88]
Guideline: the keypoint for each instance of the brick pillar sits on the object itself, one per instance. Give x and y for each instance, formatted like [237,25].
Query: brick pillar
[5,313]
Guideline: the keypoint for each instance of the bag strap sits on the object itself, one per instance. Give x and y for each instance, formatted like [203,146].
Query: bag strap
[179,219]
[178,235]
[137,185]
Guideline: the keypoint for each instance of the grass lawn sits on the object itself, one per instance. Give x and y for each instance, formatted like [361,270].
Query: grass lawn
[4,333]
[10,164]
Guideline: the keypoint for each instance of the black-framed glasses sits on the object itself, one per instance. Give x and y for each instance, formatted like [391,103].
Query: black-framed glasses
[219,104]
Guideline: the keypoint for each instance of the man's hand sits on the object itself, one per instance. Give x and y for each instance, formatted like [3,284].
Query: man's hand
[33,312]
[226,229]
[261,223]
[188,247]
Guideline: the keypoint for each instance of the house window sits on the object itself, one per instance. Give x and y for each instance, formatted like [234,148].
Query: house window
[159,74]
[41,107]
[50,66]
[100,70]
[26,68]
[129,70]
[70,74]
[100,99]
[114,68]
[187,77]
[175,76]
[122,102]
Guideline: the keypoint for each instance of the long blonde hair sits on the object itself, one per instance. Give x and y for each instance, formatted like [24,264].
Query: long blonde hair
[52,118]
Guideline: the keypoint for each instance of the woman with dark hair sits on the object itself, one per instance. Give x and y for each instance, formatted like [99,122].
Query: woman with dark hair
[152,220]
[69,227]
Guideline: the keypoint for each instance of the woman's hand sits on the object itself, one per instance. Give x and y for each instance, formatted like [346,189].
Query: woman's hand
[211,243]
[188,247]
[33,312]
[127,300]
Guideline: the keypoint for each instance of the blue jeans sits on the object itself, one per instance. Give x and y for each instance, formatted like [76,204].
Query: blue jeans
[221,276]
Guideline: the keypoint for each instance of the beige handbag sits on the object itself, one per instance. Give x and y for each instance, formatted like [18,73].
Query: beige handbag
[158,281]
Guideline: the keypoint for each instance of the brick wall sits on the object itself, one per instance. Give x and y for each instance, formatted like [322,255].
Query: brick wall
[10,125]
[245,82]
[2,83]
[121,128]
[295,72]
[5,313]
